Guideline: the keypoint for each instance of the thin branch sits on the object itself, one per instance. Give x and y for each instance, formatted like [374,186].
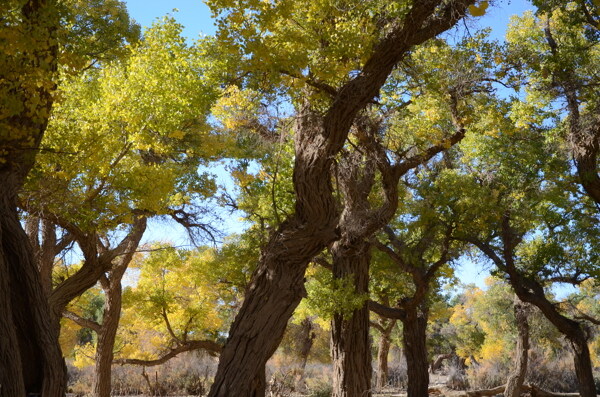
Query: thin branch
[169,328]
[377,326]
[319,85]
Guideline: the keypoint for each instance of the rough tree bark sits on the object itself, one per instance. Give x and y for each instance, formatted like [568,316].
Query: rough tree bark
[350,347]
[414,339]
[351,253]
[30,356]
[45,249]
[516,378]
[277,285]
[111,284]
[350,343]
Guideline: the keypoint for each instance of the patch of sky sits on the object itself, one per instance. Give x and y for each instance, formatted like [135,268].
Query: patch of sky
[194,15]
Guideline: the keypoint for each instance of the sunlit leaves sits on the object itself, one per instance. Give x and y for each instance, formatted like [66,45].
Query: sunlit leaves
[175,299]
[131,135]
[293,41]
[328,295]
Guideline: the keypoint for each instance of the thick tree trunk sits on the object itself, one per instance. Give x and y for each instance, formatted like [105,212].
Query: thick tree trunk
[277,285]
[276,290]
[517,376]
[415,347]
[11,367]
[382,361]
[111,284]
[31,357]
[350,345]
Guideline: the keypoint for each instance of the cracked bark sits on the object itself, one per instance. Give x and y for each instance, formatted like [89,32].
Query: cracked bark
[277,285]
[30,356]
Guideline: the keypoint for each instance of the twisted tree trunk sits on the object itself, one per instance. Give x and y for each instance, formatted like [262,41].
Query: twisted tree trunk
[30,356]
[277,285]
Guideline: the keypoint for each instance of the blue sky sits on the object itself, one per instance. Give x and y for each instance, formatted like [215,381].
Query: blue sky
[195,16]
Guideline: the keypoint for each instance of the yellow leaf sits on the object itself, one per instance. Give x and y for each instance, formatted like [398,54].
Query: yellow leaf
[178,134]
[479,10]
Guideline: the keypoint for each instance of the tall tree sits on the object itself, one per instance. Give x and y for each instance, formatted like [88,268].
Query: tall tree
[416,259]
[124,145]
[321,130]
[389,144]
[34,43]
[28,81]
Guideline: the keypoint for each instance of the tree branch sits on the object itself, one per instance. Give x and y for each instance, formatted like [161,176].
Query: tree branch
[386,311]
[209,346]
[82,322]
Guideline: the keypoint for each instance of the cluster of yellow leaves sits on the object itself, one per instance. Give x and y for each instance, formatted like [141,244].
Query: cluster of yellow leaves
[130,135]
[174,286]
